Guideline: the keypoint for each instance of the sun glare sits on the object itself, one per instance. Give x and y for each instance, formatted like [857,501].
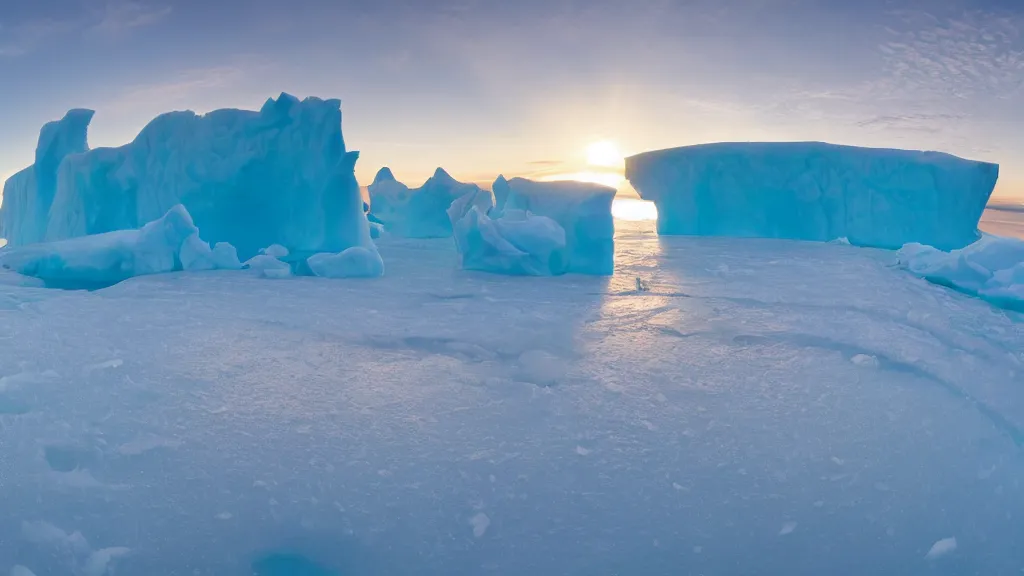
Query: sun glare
[604,153]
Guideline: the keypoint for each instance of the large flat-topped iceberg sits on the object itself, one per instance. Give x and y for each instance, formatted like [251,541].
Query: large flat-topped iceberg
[249,178]
[815,191]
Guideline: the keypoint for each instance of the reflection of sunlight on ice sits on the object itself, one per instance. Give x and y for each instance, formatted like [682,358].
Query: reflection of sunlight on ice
[634,209]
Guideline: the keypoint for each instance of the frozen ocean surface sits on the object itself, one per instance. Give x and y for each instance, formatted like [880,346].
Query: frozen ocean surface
[761,407]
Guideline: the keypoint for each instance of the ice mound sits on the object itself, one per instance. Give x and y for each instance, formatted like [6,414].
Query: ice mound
[269,266]
[515,243]
[991,268]
[166,244]
[248,178]
[355,262]
[420,212]
[815,191]
[582,209]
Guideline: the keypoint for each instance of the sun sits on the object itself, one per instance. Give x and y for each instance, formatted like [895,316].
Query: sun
[604,153]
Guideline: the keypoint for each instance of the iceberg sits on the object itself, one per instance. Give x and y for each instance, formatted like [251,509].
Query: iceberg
[248,178]
[582,209]
[515,243]
[169,243]
[815,191]
[991,268]
[419,212]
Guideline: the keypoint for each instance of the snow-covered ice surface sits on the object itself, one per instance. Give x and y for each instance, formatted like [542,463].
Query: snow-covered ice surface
[815,191]
[762,407]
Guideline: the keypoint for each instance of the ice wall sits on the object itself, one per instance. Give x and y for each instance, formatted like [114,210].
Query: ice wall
[249,178]
[582,209]
[29,193]
[815,191]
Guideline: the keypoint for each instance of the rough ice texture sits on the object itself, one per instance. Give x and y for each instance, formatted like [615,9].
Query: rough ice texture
[419,212]
[991,268]
[582,209]
[515,243]
[277,176]
[815,191]
[166,244]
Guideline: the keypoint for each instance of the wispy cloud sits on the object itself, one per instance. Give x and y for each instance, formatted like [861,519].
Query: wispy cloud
[25,37]
[121,16]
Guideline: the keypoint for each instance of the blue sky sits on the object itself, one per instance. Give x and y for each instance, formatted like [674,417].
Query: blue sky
[522,87]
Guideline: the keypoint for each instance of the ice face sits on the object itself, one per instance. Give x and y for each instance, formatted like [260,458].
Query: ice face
[277,176]
[29,193]
[166,244]
[416,213]
[991,268]
[582,209]
[815,191]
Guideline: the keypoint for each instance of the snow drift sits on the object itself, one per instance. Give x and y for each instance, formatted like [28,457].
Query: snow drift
[815,191]
[169,243]
[420,212]
[248,178]
[991,268]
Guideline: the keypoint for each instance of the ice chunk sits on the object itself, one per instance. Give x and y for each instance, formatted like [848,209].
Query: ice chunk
[268,267]
[355,262]
[516,243]
[98,563]
[248,178]
[582,209]
[196,255]
[20,570]
[29,193]
[992,268]
[941,548]
[417,213]
[105,259]
[815,191]
[275,251]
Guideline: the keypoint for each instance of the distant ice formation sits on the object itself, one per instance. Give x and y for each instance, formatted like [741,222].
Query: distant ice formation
[277,176]
[815,191]
[991,268]
[166,244]
[420,212]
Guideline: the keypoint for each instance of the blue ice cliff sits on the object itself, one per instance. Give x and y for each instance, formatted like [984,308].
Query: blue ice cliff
[253,179]
[545,229]
[419,212]
[815,191]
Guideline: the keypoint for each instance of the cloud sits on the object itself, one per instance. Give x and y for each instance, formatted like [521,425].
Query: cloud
[121,16]
[28,36]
